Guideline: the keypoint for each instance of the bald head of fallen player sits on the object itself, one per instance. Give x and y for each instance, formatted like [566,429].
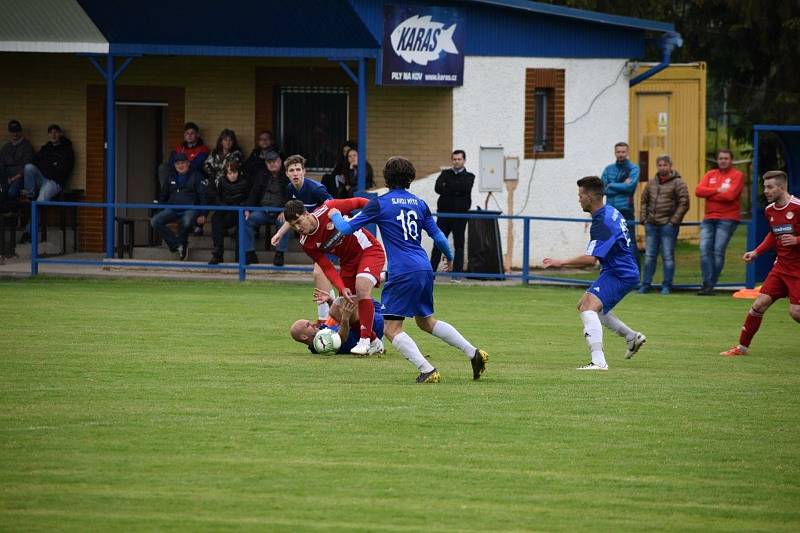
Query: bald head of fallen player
[304,330]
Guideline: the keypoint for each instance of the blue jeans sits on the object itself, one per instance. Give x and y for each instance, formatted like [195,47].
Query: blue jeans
[659,237]
[714,237]
[36,181]
[187,220]
[259,218]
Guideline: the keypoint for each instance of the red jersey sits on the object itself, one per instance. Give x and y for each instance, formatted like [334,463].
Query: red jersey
[326,239]
[721,205]
[784,220]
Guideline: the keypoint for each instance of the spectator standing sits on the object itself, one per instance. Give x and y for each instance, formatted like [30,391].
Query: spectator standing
[722,189]
[270,188]
[454,187]
[347,183]
[257,161]
[193,146]
[184,186]
[232,190]
[620,180]
[664,203]
[14,155]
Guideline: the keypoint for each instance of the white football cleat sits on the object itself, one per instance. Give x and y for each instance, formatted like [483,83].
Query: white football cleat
[362,348]
[634,344]
[592,366]
[376,347]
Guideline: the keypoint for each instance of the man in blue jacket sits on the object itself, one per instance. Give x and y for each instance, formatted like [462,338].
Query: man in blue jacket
[619,181]
[184,186]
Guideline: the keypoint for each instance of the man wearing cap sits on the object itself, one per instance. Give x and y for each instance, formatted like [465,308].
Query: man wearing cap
[14,155]
[184,186]
[269,190]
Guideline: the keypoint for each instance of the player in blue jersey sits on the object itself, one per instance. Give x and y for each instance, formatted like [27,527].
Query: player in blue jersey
[619,273]
[344,319]
[312,194]
[408,291]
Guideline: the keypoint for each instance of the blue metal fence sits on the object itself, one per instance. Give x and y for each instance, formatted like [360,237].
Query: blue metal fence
[524,275]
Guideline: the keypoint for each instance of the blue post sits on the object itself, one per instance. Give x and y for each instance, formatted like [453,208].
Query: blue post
[752,228]
[110,154]
[362,125]
[34,238]
[240,245]
[526,251]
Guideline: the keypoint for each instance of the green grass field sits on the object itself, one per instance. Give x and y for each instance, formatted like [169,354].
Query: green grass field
[185,406]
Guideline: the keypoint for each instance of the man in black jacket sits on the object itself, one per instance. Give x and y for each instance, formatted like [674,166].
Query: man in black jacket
[183,186]
[46,175]
[14,155]
[454,187]
[269,190]
[233,189]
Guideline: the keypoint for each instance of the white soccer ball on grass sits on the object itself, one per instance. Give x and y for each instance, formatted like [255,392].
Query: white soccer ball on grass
[327,342]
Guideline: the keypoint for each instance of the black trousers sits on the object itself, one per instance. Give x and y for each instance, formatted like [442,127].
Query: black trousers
[221,222]
[456,226]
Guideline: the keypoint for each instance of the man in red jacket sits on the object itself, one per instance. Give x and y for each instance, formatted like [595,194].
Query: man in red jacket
[783,215]
[721,188]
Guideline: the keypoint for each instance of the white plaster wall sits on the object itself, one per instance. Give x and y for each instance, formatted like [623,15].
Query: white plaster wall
[489,110]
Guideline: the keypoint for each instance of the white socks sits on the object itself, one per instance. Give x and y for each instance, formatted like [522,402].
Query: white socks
[406,346]
[451,336]
[613,323]
[322,310]
[593,332]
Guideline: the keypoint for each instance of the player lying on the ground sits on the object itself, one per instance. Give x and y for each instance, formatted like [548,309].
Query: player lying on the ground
[409,281]
[343,319]
[619,273]
[361,258]
[783,215]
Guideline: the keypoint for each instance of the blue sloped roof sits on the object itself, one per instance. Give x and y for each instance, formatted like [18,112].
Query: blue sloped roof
[299,28]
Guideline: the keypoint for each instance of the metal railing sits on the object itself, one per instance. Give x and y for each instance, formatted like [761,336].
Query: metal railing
[524,274]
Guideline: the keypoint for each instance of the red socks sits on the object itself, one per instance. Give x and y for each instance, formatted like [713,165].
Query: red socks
[366,316]
[750,327]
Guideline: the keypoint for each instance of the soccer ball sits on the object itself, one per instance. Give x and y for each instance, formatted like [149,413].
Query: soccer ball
[327,341]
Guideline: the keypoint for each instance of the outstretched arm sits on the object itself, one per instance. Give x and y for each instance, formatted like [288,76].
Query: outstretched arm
[581,261]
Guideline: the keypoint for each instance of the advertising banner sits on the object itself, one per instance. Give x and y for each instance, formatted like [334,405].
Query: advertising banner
[423,46]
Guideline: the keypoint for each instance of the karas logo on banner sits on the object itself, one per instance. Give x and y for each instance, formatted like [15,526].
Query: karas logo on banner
[421,40]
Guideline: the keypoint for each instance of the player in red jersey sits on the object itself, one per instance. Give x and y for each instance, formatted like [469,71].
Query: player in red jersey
[783,280]
[361,259]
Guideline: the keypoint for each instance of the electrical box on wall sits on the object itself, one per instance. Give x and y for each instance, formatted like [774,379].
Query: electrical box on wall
[492,169]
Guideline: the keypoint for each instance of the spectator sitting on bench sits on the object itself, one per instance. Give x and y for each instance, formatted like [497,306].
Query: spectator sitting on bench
[233,189]
[184,186]
[269,190]
[14,155]
[45,177]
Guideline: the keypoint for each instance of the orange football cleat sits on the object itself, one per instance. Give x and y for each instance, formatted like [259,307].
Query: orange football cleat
[734,352]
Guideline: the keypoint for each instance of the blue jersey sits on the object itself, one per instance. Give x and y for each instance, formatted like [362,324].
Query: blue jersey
[611,244]
[401,217]
[312,194]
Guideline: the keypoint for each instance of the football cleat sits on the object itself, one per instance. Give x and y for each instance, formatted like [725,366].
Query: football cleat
[592,366]
[429,377]
[634,344]
[735,351]
[376,347]
[362,348]
[479,361]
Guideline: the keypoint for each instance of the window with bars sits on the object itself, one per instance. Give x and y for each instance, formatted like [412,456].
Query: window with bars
[313,122]
[544,113]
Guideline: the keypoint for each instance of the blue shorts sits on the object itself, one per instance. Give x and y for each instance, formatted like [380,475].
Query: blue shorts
[610,289]
[409,294]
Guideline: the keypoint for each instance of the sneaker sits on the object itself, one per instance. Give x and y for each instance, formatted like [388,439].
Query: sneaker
[361,348]
[250,258]
[634,344]
[592,366]
[479,361]
[735,351]
[665,290]
[429,377]
[644,289]
[278,260]
[183,251]
[376,347]
[215,260]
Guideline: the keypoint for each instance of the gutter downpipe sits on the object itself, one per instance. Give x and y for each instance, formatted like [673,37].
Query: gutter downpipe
[668,42]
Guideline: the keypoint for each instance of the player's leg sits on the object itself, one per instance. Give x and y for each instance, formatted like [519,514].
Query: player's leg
[321,282]
[590,307]
[366,311]
[754,316]
[393,330]
[442,330]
